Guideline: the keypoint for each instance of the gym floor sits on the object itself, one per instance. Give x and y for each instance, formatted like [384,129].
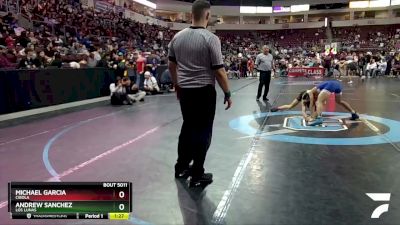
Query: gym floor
[264,173]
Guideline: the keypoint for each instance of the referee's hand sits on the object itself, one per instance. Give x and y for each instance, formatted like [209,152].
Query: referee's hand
[177,91]
[228,102]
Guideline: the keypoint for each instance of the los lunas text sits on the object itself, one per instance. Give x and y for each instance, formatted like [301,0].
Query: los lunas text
[32,206]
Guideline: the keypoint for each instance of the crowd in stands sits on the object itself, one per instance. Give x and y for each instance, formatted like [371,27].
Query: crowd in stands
[358,46]
[67,35]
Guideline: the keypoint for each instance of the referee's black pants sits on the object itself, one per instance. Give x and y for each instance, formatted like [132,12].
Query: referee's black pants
[198,111]
[265,79]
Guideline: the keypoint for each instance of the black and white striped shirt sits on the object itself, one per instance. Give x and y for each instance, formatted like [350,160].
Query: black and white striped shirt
[197,53]
[264,62]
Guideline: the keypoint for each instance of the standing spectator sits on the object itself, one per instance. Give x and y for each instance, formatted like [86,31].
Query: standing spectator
[195,61]
[121,65]
[264,64]
[153,60]
[250,66]
[361,65]
[342,67]
[140,68]
[389,60]
[243,66]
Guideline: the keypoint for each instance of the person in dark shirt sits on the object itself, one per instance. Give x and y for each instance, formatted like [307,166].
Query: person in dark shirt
[105,62]
[23,40]
[4,62]
[26,63]
[37,61]
[8,19]
[57,61]
[43,59]
[121,65]
[11,56]
[243,67]
[2,39]
[49,51]
[389,60]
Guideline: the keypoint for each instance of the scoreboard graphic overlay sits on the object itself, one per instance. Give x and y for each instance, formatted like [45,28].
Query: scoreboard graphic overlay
[70,200]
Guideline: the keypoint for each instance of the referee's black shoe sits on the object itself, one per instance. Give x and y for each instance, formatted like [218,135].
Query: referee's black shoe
[184,174]
[202,181]
[265,99]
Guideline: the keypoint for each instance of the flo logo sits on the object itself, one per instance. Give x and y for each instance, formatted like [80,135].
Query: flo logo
[379,197]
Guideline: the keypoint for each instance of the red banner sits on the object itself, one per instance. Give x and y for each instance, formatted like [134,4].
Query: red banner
[306,71]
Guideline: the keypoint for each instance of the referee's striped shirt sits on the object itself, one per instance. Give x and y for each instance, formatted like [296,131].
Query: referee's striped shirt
[197,53]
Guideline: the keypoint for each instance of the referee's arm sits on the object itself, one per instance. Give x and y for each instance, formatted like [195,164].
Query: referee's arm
[172,65]
[217,64]
[257,62]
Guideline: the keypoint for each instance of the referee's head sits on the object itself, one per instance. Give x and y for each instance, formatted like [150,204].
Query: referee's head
[265,49]
[201,12]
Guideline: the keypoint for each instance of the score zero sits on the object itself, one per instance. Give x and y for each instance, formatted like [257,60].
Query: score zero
[121,194]
[115,184]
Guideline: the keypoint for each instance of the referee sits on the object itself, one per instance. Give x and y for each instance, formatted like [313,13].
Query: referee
[195,62]
[264,63]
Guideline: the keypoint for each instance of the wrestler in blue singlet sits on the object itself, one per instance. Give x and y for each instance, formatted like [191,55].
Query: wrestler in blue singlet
[332,86]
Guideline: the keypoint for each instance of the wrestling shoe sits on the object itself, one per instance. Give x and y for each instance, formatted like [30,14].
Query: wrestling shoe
[203,181]
[354,116]
[316,122]
[274,109]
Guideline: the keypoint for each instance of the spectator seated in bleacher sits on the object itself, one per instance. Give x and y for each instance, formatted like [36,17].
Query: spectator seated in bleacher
[124,93]
[396,65]
[119,95]
[372,68]
[150,84]
[166,81]
[134,94]
[382,65]
[233,71]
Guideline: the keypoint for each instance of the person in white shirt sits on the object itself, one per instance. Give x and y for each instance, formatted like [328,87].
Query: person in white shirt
[118,93]
[150,83]
[123,94]
[382,66]
[372,68]
[97,55]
